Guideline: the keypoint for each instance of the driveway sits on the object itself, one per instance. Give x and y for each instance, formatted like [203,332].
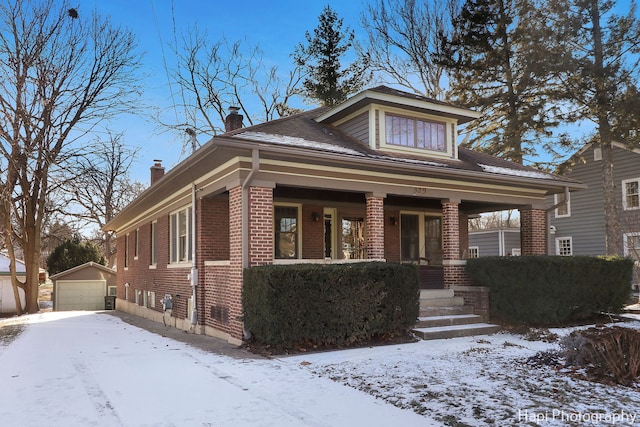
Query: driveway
[94,369]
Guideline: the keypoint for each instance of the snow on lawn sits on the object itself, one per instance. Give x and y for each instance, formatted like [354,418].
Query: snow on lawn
[479,381]
[91,369]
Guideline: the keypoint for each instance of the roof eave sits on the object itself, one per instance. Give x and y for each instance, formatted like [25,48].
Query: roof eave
[464,114]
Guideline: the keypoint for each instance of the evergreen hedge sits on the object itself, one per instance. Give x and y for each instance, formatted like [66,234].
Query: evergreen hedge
[552,290]
[336,304]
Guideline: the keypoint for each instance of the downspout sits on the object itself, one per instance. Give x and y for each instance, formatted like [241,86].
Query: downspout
[194,266]
[255,167]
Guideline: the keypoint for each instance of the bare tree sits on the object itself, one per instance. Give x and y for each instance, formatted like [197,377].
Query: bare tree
[403,38]
[61,72]
[214,75]
[492,220]
[98,185]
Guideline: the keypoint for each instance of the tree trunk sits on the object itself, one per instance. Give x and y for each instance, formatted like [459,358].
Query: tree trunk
[613,239]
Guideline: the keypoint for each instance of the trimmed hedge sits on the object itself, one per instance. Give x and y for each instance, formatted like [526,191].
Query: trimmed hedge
[552,290]
[336,304]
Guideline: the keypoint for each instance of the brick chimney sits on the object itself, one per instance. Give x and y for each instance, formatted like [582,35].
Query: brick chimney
[157,171]
[233,121]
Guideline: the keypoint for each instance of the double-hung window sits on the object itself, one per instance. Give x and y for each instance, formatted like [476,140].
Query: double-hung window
[631,193]
[180,236]
[154,244]
[564,209]
[286,231]
[415,133]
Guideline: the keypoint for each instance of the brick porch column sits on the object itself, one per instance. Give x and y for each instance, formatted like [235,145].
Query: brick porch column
[260,226]
[235,263]
[533,231]
[375,226]
[453,266]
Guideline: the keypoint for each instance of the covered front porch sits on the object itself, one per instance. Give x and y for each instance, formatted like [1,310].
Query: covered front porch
[289,224]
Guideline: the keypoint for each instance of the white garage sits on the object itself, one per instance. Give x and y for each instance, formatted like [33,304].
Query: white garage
[7,299]
[80,294]
[83,287]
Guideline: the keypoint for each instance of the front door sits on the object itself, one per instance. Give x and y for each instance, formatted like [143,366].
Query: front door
[421,238]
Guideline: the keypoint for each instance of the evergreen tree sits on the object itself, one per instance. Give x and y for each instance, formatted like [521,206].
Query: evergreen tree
[71,253]
[600,55]
[326,80]
[498,67]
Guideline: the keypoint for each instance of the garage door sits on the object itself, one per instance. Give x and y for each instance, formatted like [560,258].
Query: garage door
[80,295]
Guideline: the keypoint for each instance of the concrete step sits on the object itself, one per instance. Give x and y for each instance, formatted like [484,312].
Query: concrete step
[445,311]
[436,293]
[457,319]
[442,302]
[456,331]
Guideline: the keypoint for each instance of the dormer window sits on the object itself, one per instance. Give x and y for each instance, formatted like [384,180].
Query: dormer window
[415,133]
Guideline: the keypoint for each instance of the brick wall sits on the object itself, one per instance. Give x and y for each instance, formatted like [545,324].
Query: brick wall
[375,227]
[213,226]
[533,231]
[160,280]
[392,236]
[312,232]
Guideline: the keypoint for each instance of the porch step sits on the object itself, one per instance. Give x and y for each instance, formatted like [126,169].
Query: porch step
[451,320]
[439,298]
[445,311]
[456,331]
[444,315]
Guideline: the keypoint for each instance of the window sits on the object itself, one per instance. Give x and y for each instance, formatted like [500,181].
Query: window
[632,245]
[631,193]
[152,299]
[353,241]
[154,244]
[135,244]
[286,231]
[564,210]
[474,252]
[415,133]
[112,291]
[563,246]
[180,236]
[126,251]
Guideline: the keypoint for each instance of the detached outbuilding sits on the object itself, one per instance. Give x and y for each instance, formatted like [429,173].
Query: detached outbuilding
[85,287]
[7,299]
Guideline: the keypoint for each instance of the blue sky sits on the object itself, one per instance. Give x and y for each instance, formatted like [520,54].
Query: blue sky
[277,26]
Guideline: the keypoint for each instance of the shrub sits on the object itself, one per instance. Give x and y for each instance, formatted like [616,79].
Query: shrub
[607,354]
[548,290]
[336,304]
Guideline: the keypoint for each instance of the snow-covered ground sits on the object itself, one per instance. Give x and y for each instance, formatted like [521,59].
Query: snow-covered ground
[82,368]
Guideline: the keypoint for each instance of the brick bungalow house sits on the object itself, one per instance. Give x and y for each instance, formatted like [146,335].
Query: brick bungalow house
[378,177]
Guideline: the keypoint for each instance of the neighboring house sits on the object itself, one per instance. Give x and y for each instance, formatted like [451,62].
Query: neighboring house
[7,298]
[83,287]
[578,227]
[494,242]
[378,177]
